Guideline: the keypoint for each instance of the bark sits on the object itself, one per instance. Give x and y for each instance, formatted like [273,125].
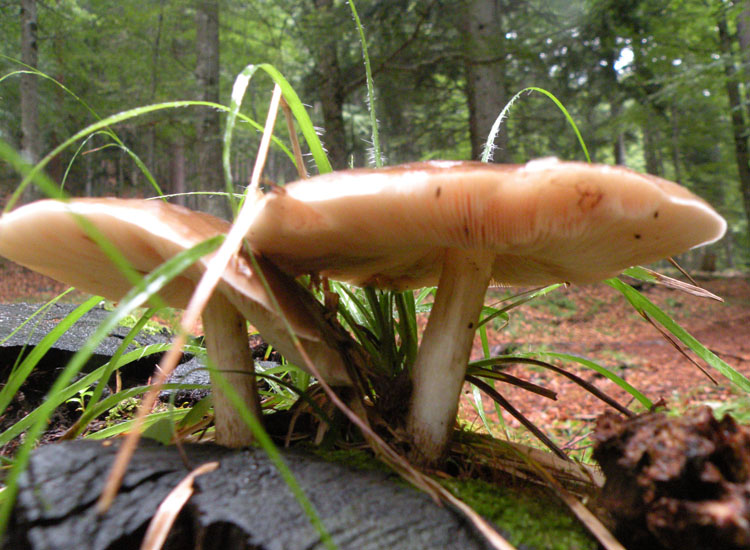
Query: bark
[243,505]
[739,126]
[151,131]
[30,143]
[611,53]
[728,250]
[89,179]
[208,123]
[743,35]
[177,170]
[650,150]
[331,87]
[675,142]
[484,65]
[619,148]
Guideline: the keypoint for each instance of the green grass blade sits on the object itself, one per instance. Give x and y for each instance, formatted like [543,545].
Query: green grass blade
[239,88]
[517,300]
[119,145]
[89,413]
[478,405]
[32,70]
[303,119]
[407,326]
[38,312]
[489,145]
[485,341]
[370,88]
[113,400]
[644,306]
[621,382]
[150,420]
[238,93]
[109,132]
[353,305]
[33,173]
[30,173]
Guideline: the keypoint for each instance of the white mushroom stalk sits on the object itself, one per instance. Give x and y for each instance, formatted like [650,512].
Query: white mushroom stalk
[226,345]
[45,236]
[461,224]
[440,366]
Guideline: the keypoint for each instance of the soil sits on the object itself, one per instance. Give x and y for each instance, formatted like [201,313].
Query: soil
[594,322]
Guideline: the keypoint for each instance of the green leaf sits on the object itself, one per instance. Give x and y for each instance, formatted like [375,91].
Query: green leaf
[162,430]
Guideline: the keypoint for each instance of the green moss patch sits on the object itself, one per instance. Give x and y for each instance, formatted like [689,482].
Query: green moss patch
[527,515]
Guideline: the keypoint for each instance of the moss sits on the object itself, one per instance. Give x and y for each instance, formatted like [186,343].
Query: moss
[359,460]
[527,515]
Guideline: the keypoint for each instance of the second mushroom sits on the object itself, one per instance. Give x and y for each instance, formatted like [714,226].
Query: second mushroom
[48,237]
[463,225]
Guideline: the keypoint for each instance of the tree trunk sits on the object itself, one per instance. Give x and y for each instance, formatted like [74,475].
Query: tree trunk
[484,64]
[150,137]
[619,148]
[739,127]
[650,151]
[30,143]
[675,142]
[728,250]
[330,86]
[177,169]
[743,35]
[208,123]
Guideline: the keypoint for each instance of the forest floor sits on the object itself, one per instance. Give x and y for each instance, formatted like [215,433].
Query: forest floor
[597,323]
[594,322]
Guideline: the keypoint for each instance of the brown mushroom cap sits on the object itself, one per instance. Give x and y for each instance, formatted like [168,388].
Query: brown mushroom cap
[547,221]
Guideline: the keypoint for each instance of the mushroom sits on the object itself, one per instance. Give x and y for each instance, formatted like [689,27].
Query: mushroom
[462,225]
[46,236]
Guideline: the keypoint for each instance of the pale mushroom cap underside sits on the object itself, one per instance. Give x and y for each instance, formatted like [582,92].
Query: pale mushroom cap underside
[47,237]
[547,221]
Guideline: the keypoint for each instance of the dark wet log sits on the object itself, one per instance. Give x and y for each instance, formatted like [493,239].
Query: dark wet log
[24,340]
[243,504]
[676,482]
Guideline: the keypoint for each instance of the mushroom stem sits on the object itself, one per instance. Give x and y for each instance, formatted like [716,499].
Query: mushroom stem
[228,349]
[440,367]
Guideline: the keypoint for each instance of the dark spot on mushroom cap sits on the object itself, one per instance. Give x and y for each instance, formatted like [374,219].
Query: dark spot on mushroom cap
[437,192]
[589,197]
[471,326]
[637,235]
[656,214]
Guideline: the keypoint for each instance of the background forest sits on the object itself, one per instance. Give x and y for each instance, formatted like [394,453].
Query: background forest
[660,86]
